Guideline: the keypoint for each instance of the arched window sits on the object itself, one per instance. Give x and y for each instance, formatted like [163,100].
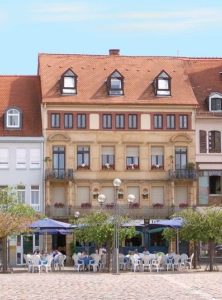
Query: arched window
[115,84]
[69,83]
[13,118]
[162,84]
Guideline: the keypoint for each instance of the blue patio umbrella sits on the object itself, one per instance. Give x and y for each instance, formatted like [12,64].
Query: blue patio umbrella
[50,226]
[175,223]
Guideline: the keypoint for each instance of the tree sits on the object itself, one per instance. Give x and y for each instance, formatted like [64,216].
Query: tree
[14,218]
[201,225]
[98,227]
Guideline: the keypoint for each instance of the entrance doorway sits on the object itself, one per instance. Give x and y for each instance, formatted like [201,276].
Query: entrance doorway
[59,242]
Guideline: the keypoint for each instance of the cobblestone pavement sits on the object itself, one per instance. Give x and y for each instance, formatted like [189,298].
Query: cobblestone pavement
[102,286]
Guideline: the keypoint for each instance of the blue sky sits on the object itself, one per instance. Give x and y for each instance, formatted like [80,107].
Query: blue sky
[142,27]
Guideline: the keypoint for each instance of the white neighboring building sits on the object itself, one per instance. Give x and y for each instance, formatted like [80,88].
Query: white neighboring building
[206,79]
[21,150]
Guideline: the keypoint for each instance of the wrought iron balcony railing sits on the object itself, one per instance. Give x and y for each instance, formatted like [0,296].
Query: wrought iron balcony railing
[67,174]
[183,174]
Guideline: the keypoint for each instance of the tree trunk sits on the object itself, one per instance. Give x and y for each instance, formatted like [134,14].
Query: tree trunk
[195,251]
[211,255]
[4,255]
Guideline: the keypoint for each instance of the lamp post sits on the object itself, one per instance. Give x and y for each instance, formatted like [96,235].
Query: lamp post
[115,268]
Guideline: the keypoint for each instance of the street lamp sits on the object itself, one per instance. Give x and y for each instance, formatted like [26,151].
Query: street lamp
[115,269]
[101,199]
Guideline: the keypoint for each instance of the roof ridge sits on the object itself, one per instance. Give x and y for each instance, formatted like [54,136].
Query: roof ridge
[6,75]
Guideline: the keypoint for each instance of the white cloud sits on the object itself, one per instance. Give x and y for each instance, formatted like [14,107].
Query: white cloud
[64,12]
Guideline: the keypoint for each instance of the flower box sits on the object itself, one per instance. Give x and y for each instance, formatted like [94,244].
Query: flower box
[86,205]
[59,205]
[110,205]
[134,205]
[183,205]
[157,167]
[158,205]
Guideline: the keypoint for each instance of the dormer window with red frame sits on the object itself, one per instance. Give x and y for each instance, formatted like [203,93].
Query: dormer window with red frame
[69,83]
[162,84]
[115,84]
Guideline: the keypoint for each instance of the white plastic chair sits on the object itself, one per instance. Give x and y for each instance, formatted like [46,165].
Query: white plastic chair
[157,264]
[94,264]
[137,264]
[147,262]
[189,261]
[59,264]
[78,264]
[183,260]
[48,265]
[36,263]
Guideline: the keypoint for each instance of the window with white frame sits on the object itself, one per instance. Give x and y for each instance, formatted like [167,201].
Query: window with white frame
[157,158]
[132,158]
[181,195]
[108,157]
[162,84]
[4,158]
[69,83]
[35,197]
[115,84]
[215,102]
[20,158]
[34,158]
[157,195]
[13,118]
[21,193]
[183,121]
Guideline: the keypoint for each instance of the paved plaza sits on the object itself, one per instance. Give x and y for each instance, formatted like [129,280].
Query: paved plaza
[68,285]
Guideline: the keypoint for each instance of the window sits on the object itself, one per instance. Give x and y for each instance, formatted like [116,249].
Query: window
[4,158]
[108,158]
[115,84]
[214,141]
[107,121]
[59,161]
[215,102]
[132,121]
[20,158]
[35,200]
[34,158]
[215,185]
[157,195]
[181,158]
[69,83]
[162,84]
[55,120]
[81,121]
[13,119]
[120,121]
[83,195]
[158,121]
[21,193]
[83,157]
[132,158]
[68,121]
[157,158]
[170,121]
[183,121]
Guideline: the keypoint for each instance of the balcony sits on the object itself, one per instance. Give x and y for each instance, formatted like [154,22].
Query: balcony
[183,174]
[62,175]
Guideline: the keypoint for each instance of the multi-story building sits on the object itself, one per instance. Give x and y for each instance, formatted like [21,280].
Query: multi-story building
[113,116]
[21,149]
[206,79]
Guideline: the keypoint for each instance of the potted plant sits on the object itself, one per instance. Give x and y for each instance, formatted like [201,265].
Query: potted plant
[157,205]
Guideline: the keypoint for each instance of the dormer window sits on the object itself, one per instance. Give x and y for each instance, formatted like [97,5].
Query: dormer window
[162,84]
[115,84]
[13,118]
[215,102]
[69,83]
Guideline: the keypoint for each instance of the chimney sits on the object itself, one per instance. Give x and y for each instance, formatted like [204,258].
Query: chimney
[114,51]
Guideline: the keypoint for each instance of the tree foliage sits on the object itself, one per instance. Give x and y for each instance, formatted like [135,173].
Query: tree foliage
[14,218]
[200,225]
